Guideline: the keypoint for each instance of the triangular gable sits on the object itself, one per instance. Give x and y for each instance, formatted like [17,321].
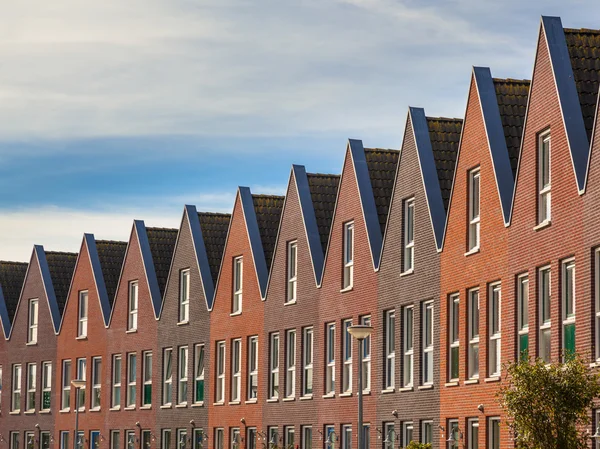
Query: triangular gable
[12,276]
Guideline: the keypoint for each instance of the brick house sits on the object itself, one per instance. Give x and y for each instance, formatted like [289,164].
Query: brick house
[408,299]
[236,323]
[81,344]
[292,305]
[183,328]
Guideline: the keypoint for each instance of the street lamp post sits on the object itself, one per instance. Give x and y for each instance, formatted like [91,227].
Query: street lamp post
[77,383]
[360,332]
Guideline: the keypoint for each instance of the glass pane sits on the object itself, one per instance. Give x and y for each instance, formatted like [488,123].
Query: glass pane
[199,391]
[454,364]
[147,394]
[524,345]
[569,340]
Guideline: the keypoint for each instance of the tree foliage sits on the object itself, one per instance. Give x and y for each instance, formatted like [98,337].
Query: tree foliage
[547,405]
[414,445]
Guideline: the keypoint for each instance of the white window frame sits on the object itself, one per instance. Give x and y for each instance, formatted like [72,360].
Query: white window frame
[454,335]
[166,442]
[545,328]
[306,442]
[132,303]
[32,323]
[308,338]
[365,355]
[219,438]
[348,252]
[597,303]
[409,235]
[220,370]
[183,357]
[46,384]
[238,285]
[330,430]
[474,325]
[427,321]
[96,396]
[181,438]
[252,393]
[453,427]
[495,335]
[408,346]
[167,377]
[184,296]
[80,392]
[131,380]
[596,428]
[115,439]
[82,317]
[289,433]
[330,354]
[115,400]
[236,370]
[347,357]
[147,359]
[64,440]
[16,385]
[274,365]
[522,310]
[424,424]
[389,435]
[235,438]
[292,272]
[569,298]
[390,349]
[31,387]
[199,368]
[14,440]
[472,424]
[491,421]
[544,188]
[65,399]
[290,363]
[407,432]
[474,209]
[347,436]
[251,437]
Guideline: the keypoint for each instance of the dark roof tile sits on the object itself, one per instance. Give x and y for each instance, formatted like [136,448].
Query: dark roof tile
[12,276]
[382,165]
[61,266]
[111,255]
[162,244]
[214,232]
[323,193]
[268,212]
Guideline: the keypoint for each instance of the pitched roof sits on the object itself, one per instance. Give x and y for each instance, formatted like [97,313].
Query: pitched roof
[111,255]
[214,233]
[61,266]
[512,98]
[444,134]
[584,51]
[12,276]
[382,165]
[268,213]
[162,244]
[323,192]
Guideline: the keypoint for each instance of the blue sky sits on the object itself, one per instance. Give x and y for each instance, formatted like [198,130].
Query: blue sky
[117,110]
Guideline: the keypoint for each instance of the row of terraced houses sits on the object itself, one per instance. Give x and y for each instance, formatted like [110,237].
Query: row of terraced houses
[474,242]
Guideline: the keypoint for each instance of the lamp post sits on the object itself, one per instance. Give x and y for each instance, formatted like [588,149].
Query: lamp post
[360,332]
[77,383]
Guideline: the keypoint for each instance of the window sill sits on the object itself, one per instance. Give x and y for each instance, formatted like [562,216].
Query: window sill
[16,412]
[95,409]
[366,392]
[329,396]
[306,398]
[388,391]
[453,383]
[235,313]
[425,387]
[129,408]
[290,399]
[81,337]
[115,408]
[197,404]
[252,401]
[131,331]
[542,225]
[31,343]
[184,405]
[183,323]
[471,382]
[406,389]
[492,379]
[472,251]
[218,404]
[407,272]
[146,407]
[595,364]
[290,303]
[166,406]
[29,412]
[346,394]
[347,289]
[229,403]
[45,412]
[273,400]
[64,410]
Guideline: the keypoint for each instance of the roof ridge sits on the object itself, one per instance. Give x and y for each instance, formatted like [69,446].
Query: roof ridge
[221,214]
[511,80]
[13,262]
[148,228]
[111,241]
[582,30]
[323,175]
[445,119]
[66,253]
[389,150]
[264,195]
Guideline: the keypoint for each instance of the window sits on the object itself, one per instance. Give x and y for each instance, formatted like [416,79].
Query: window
[83,315]
[453,434]
[236,370]
[181,438]
[544,178]
[474,221]
[330,373]
[597,303]
[307,361]
[290,364]
[147,378]
[184,296]
[29,440]
[115,437]
[253,367]
[523,315]
[234,438]
[366,434]
[390,349]
[219,437]
[14,440]
[33,321]
[81,375]
[182,377]
[44,440]
[95,439]
[64,440]
[427,326]
[130,439]
[545,323]
[494,349]
[365,350]
[273,437]
[348,255]
[199,438]
[473,434]
[167,393]
[568,308]
[65,399]
[0,388]
[292,271]
[331,438]
[131,379]
[453,336]
[31,386]
[46,385]
[166,439]
[238,271]
[289,433]
[494,433]
[132,317]
[409,235]
[389,435]
[427,432]
[220,366]
[198,374]
[596,429]
[407,347]
[347,349]
[16,388]
[347,436]
[96,382]
[116,381]
[146,439]
[306,437]
[251,438]
[407,433]
[274,367]
[473,334]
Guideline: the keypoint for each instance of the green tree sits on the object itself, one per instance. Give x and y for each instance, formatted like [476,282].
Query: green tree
[414,445]
[547,405]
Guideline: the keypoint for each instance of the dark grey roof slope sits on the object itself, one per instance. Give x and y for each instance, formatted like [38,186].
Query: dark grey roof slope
[268,212]
[444,134]
[512,102]
[61,266]
[323,193]
[162,244]
[584,51]
[111,255]
[12,276]
[214,233]
[382,165]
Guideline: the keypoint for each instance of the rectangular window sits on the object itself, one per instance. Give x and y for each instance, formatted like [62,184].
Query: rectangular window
[64,440]
[184,296]
[347,436]
[234,438]
[220,368]
[65,400]
[453,441]
[44,440]
[473,334]
[81,375]
[33,321]
[290,363]
[182,375]
[453,336]
[365,355]
[390,349]
[31,386]
[0,388]
[596,428]
[389,435]
[273,433]
[198,374]
[14,440]
[597,302]
[167,393]
[348,255]
[116,381]
[568,308]
[544,178]
[366,436]
[251,438]
[307,361]
[83,315]
[289,433]
[523,315]
[427,330]
[131,379]
[407,433]
[474,220]
[96,382]
[147,378]
[253,367]
[199,438]
[330,348]
[166,439]
[473,433]
[494,433]
[407,347]
[181,438]
[292,271]
[274,366]
[46,385]
[115,439]
[146,439]
[347,349]
[219,437]
[238,272]
[95,439]
[306,437]
[427,432]
[29,440]
[331,438]
[409,235]
[236,370]
[132,317]
[544,345]
[495,334]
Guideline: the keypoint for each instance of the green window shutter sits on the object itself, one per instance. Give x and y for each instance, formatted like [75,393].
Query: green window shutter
[569,340]
[524,346]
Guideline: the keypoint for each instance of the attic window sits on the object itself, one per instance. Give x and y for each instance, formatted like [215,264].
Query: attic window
[348,255]
[32,332]
[544,179]
[238,271]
